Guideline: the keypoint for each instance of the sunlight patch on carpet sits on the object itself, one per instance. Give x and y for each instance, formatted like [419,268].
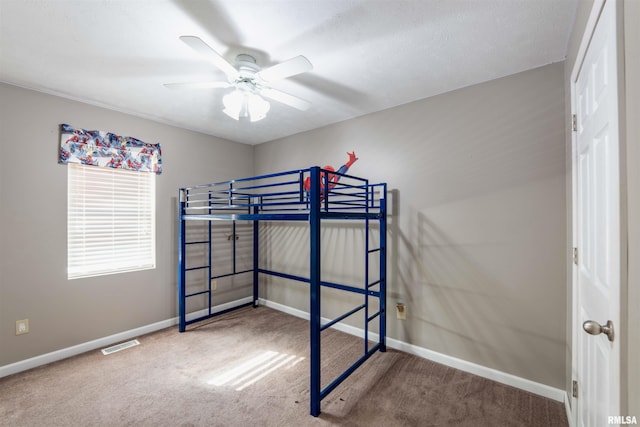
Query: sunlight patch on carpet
[253,370]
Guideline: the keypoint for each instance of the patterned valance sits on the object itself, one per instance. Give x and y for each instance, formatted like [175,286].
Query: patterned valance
[105,149]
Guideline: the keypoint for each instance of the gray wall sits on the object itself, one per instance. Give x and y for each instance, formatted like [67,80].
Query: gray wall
[478,231]
[33,188]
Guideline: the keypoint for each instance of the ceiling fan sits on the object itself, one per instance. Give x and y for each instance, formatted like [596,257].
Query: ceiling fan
[251,83]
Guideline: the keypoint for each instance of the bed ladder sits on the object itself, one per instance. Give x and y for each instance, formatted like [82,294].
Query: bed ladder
[183,269]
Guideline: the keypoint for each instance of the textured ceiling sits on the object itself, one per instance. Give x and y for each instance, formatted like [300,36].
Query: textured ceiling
[368,55]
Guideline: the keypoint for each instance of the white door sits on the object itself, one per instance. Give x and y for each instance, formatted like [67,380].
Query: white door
[597,273]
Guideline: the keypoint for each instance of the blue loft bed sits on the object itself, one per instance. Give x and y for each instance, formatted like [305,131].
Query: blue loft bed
[299,195]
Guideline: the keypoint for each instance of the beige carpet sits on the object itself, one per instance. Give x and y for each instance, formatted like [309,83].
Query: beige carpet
[251,368]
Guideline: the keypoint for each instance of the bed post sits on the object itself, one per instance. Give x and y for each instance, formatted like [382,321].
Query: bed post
[255,257]
[314,284]
[383,268]
[181,260]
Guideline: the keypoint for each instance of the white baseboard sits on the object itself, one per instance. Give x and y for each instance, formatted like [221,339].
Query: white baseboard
[482,371]
[567,407]
[54,356]
[463,365]
[217,308]
[64,353]
[351,330]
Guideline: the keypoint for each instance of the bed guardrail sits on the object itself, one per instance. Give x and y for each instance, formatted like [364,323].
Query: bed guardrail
[284,192]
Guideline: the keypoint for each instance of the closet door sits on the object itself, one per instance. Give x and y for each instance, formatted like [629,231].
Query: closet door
[597,216]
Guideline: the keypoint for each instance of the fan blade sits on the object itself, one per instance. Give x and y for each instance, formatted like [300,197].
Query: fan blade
[214,57]
[198,85]
[285,69]
[285,98]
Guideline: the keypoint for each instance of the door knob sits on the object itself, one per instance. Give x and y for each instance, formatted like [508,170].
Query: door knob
[594,328]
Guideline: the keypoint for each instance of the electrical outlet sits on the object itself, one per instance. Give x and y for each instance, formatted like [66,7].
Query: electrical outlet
[401,311]
[214,285]
[22,326]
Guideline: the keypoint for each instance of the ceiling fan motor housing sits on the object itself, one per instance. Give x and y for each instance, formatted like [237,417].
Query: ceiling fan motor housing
[247,69]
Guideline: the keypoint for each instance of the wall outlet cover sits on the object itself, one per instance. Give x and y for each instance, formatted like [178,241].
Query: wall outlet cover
[22,326]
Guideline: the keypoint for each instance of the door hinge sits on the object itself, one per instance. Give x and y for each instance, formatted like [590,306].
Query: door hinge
[574,122]
[575,256]
[574,388]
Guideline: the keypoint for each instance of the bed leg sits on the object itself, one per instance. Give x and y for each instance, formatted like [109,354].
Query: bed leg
[256,241]
[314,293]
[383,269]
[181,263]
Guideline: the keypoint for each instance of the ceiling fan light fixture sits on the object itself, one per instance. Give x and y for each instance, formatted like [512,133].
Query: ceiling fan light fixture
[233,104]
[246,105]
[258,107]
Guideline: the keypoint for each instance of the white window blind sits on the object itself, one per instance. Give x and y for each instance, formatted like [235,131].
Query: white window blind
[110,221]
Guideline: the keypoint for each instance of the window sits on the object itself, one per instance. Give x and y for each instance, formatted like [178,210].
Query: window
[110,221]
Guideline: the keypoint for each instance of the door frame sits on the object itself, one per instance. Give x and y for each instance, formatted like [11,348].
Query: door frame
[576,327]
[632,141]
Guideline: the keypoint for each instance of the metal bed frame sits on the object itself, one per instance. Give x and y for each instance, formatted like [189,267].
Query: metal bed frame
[286,197]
